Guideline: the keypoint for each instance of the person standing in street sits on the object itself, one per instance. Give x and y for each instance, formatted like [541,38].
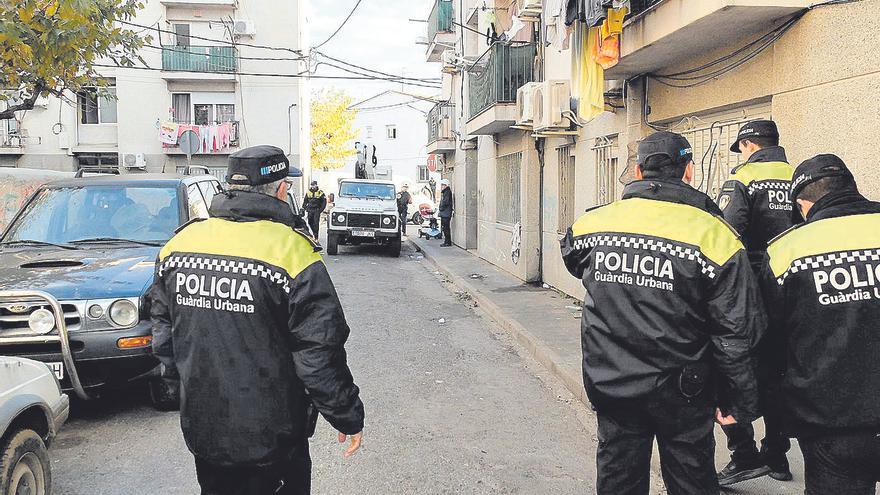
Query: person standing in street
[824,286]
[445,211]
[432,186]
[404,199]
[755,202]
[246,317]
[314,205]
[671,302]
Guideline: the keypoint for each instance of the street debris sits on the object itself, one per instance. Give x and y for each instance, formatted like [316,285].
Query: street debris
[477,276]
[574,308]
[546,286]
[441,321]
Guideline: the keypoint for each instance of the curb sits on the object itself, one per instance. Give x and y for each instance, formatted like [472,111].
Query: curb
[536,349]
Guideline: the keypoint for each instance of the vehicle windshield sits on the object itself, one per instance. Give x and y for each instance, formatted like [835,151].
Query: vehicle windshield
[366,190]
[69,214]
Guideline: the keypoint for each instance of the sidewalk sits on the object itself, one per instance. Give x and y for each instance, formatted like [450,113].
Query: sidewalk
[547,324]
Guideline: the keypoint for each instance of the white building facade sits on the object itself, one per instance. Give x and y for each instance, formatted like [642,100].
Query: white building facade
[201,74]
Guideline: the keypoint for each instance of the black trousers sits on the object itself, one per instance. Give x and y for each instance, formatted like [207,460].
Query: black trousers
[402,215]
[842,464]
[290,477]
[446,227]
[314,218]
[684,432]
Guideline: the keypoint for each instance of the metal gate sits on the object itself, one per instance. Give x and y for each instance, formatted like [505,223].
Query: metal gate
[605,154]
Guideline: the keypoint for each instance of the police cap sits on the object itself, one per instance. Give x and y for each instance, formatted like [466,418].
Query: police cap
[818,167]
[755,128]
[668,144]
[257,165]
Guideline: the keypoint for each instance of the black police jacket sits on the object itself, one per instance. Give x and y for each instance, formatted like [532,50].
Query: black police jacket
[668,284]
[315,202]
[755,199]
[444,210]
[243,309]
[824,287]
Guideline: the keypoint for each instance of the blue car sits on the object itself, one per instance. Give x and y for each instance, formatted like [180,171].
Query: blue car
[76,263]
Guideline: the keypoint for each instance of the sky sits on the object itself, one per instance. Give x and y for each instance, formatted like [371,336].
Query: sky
[378,36]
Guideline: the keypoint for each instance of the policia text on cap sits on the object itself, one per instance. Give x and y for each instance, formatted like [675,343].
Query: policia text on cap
[671,301]
[246,317]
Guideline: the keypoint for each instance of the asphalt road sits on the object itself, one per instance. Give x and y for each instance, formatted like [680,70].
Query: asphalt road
[452,406]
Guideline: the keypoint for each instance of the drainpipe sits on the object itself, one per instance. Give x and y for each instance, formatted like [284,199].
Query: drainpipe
[540,147]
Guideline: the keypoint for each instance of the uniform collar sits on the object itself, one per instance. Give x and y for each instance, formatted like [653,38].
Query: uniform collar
[841,204]
[764,155]
[246,206]
[671,191]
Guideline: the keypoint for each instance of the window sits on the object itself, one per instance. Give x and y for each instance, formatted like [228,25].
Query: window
[424,173]
[209,190]
[181,107]
[204,114]
[566,189]
[369,132]
[391,131]
[108,160]
[97,105]
[605,153]
[507,188]
[225,113]
[195,202]
[181,35]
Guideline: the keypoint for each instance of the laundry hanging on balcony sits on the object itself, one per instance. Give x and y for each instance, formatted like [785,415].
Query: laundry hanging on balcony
[590,12]
[556,33]
[607,49]
[212,138]
[588,77]
[168,133]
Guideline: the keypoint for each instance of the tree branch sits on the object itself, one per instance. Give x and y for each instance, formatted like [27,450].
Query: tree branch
[27,104]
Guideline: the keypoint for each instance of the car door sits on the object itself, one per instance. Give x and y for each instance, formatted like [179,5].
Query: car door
[195,202]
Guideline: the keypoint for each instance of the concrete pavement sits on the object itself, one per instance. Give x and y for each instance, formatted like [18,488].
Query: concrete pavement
[547,324]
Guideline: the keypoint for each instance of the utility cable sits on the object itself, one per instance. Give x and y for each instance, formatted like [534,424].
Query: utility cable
[215,40]
[390,79]
[183,49]
[340,26]
[433,79]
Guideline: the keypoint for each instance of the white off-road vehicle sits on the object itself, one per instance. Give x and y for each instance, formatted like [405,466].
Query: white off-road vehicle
[364,212]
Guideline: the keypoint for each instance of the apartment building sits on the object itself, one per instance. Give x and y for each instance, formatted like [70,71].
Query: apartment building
[200,74]
[519,187]
[394,122]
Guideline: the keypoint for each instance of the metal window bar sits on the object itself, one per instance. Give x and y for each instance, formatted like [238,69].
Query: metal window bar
[440,20]
[441,122]
[713,159]
[508,69]
[605,153]
[566,189]
[507,188]
[200,58]
[640,6]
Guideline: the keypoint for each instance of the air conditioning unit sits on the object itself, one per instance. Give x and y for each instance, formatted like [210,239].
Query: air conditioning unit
[552,103]
[525,104]
[243,27]
[134,160]
[530,10]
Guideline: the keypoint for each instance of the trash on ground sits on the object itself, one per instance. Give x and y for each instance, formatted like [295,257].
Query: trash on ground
[441,321]
[477,276]
[574,308]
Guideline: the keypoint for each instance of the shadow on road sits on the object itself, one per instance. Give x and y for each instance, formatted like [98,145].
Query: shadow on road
[133,399]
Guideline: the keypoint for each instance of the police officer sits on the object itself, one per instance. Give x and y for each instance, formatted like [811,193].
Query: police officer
[670,301]
[445,210]
[245,314]
[826,299]
[404,199]
[314,204]
[755,202]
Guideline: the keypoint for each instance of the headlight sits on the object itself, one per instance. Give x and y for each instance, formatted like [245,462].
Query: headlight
[340,218]
[96,311]
[386,221]
[124,313]
[41,321]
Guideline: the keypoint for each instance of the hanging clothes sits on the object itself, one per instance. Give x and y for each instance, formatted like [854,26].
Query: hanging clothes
[588,77]
[607,52]
[168,133]
[622,4]
[553,20]
[591,12]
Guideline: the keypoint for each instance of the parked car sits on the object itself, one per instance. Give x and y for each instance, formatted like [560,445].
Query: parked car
[75,267]
[365,212]
[32,410]
[17,185]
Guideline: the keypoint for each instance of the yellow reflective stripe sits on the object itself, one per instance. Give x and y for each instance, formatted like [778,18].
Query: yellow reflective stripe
[676,222]
[831,235]
[752,172]
[279,245]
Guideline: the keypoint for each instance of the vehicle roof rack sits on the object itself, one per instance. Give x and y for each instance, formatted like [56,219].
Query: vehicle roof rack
[189,168]
[96,169]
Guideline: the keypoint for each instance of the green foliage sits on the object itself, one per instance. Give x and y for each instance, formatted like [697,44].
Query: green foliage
[50,46]
[332,129]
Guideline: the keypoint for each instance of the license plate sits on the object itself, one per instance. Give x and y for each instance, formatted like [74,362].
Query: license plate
[363,233]
[58,369]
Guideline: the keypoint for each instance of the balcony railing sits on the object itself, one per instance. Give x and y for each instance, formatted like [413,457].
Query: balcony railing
[440,20]
[233,139]
[508,69]
[10,140]
[639,6]
[441,122]
[199,58]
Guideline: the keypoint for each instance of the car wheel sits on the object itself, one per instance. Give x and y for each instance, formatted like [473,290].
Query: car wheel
[394,247]
[332,243]
[24,465]
[164,394]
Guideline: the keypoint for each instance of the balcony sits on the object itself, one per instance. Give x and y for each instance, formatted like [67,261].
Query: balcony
[233,142]
[493,90]
[199,3]
[441,124]
[199,62]
[441,30]
[11,143]
[662,33]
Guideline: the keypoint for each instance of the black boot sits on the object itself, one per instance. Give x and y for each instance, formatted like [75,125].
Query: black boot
[779,469]
[738,471]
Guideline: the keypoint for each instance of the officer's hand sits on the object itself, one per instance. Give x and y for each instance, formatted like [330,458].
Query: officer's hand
[723,420]
[355,443]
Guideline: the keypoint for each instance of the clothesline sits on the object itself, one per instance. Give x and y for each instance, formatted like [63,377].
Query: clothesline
[212,138]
